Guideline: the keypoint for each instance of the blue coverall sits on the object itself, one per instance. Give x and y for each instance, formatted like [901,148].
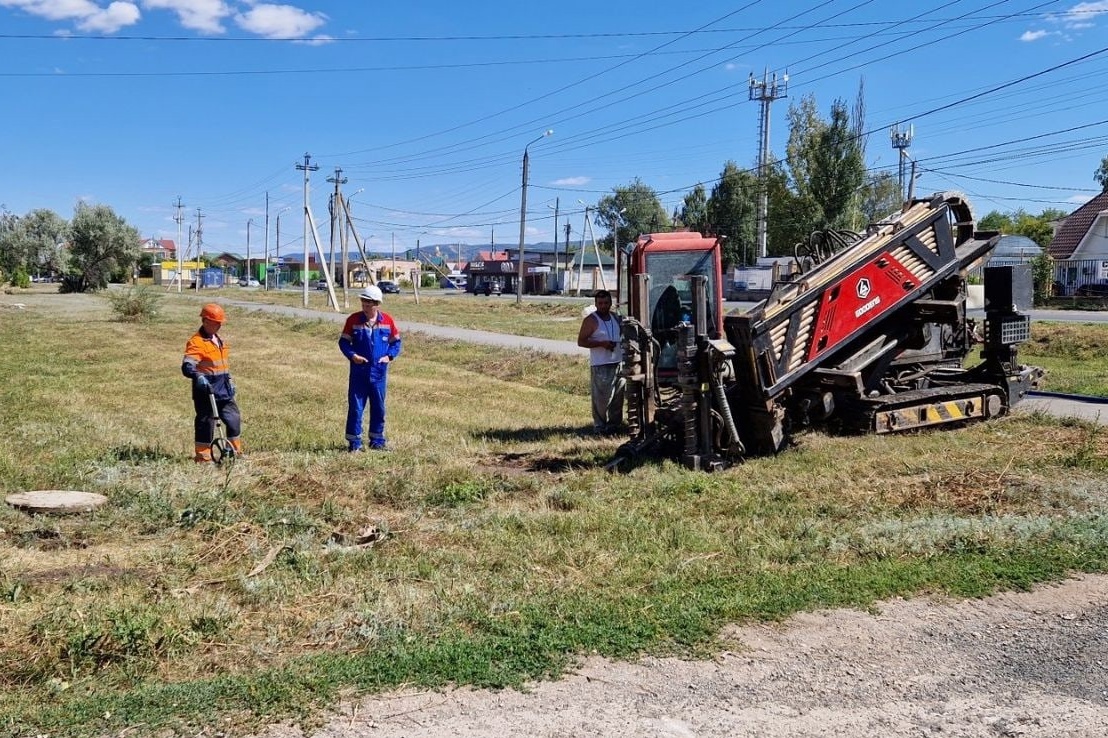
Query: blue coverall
[368,381]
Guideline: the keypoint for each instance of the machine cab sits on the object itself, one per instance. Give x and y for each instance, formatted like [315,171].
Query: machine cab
[660,291]
[660,288]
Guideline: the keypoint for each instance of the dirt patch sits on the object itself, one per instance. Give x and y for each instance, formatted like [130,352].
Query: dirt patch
[1025,664]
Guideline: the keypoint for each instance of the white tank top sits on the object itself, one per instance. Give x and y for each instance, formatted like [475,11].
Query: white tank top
[606,330]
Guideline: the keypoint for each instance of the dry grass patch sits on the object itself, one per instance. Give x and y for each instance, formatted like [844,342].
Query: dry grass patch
[501,547]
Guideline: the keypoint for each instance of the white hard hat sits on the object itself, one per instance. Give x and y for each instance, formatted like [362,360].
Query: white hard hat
[372,292]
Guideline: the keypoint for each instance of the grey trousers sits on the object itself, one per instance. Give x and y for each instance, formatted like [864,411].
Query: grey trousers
[606,386]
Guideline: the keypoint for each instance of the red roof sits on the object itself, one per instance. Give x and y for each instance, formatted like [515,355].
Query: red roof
[1076,226]
[492,256]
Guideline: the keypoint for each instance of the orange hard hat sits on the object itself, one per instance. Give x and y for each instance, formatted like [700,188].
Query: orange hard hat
[212,311]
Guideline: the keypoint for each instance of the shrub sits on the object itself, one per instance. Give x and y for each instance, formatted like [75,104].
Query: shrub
[20,278]
[135,304]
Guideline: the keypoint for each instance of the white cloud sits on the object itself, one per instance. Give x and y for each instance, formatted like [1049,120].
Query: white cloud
[279,21]
[1082,15]
[111,19]
[1033,35]
[88,15]
[205,16]
[270,20]
[572,181]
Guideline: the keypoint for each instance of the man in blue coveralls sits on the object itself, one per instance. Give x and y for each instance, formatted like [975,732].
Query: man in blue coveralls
[370,341]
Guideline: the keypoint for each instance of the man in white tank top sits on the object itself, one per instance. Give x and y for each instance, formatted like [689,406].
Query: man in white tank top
[600,334]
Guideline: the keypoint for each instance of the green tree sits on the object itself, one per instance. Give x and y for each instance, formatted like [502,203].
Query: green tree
[1101,174]
[31,243]
[791,216]
[101,243]
[629,212]
[10,255]
[45,232]
[995,220]
[694,211]
[878,198]
[733,212]
[1039,228]
[826,161]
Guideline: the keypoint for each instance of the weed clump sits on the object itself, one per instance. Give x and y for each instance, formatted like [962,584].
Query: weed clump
[135,305]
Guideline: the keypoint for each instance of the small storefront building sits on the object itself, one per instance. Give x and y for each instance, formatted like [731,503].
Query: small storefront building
[502,275]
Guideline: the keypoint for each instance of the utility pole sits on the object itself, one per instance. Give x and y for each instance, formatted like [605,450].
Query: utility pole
[523,212]
[557,202]
[180,261]
[393,272]
[249,222]
[339,180]
[569,267]
[265,272]
[765,92]
[901,140]
[199,245]
[307,167]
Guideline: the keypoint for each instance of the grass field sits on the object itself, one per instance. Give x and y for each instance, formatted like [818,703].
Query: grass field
[498,550]
[557,318]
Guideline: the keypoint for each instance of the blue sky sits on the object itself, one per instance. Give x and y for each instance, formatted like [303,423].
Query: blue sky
[426,106]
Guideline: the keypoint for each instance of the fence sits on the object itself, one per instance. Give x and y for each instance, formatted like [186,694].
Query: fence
[1081,277]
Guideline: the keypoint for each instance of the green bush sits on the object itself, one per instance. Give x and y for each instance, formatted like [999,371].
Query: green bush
[20,278]
[135,304]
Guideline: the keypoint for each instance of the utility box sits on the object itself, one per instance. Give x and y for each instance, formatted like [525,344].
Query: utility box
[1009,289]
[211,277]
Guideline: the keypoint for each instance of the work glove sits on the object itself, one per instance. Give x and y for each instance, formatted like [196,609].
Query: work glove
[202,382]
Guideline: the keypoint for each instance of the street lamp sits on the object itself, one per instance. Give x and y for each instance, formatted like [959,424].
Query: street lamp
[523,213]
[278,257]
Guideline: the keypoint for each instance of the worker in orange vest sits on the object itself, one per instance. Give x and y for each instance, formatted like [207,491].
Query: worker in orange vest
[205,363]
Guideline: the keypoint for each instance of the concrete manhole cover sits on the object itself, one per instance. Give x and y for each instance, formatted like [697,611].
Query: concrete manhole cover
[56,501]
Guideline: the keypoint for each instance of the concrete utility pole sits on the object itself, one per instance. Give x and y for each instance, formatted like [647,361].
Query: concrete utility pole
[569,267]
[339,181]
[765,92]
[523,213]
[307,167]
[199,245]
[277,279]
[180,260]
[249,222]
[901,140]
[265,272]
[557,203]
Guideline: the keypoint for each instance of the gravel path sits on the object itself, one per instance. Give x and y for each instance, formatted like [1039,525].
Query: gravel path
[1027,664]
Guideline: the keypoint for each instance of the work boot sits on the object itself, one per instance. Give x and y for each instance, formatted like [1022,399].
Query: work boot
[354,448]
[203,454]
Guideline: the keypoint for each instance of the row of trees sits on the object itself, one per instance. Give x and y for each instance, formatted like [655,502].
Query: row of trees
[94,248]
[823,183]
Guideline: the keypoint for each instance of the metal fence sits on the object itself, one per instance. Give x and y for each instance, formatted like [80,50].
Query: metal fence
[1081,277]
[1072,277]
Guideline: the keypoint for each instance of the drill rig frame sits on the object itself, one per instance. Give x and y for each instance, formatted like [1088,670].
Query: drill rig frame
[873,339]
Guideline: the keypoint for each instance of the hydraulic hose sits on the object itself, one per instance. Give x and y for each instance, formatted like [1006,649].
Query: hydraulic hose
[725,411]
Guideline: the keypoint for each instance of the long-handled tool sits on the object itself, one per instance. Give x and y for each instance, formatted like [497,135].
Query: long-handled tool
[220,446]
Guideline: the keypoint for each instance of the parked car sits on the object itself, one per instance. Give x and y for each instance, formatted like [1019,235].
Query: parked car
[1093,289]
[244,282]
[388,287]
[321,284]
[489,288]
